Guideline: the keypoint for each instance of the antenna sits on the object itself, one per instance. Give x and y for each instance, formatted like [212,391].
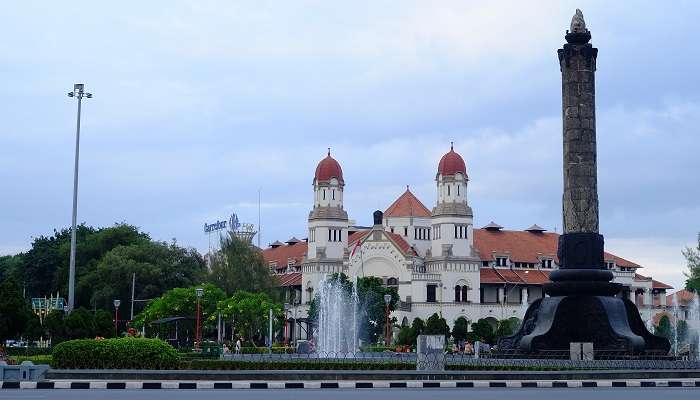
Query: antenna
[259,227]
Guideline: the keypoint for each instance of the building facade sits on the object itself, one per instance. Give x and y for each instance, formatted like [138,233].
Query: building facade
[435,258]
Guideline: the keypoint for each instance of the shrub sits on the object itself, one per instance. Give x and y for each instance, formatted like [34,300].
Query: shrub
[123,353]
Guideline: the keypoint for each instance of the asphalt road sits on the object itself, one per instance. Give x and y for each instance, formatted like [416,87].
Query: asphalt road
[365,394]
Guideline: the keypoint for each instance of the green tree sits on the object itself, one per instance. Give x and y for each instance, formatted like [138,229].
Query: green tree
[507,327]
[14,311]
[483,331]
[10,266]
[404,336]
[692,256]
[182,302]
[370,293]
[437,325]
[460,329]
[53,326]
[33,329]
[104,324]
[250,313]
[239,266]
[417,328]
[79,324]
[664,328]
[158,266]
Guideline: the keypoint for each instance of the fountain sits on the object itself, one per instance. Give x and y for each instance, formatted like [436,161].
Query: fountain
[524,306]
[674,304]
[694,324]
[336,331]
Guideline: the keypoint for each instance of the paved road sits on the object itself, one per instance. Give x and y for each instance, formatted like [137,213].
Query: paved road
[365,394]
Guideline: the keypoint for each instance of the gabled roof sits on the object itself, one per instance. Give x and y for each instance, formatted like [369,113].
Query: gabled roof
[397,239]
[407,205]
[293,240]
[276,244]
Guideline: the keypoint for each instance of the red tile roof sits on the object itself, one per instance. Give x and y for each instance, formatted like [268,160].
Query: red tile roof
[684,297]
[505,275]
[281,254]
[407,205]
[292,279]
[523,246]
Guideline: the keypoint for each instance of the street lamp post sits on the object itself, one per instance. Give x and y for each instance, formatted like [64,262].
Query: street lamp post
[286,323]
[198,331]
[387,329]
[78,92]
[116,317]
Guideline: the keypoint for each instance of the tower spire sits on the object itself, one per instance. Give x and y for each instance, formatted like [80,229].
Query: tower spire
[329,152]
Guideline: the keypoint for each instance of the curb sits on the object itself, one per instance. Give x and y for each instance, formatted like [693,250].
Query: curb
[341,384]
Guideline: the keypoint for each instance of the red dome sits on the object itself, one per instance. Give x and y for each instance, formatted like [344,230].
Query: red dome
[329,168]
[451,163]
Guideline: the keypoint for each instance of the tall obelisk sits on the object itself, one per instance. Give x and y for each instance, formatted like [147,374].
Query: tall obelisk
[582,304]
[577,62]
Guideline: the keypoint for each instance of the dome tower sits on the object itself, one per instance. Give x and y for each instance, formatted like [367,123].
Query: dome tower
[452,218]
[328,221]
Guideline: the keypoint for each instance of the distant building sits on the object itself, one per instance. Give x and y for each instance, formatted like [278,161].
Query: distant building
[435,258]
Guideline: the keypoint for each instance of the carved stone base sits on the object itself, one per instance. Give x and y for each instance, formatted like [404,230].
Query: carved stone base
[611,323]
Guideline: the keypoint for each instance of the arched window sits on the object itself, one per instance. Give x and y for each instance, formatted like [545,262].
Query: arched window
[458,294]
[465,293]
[392,282]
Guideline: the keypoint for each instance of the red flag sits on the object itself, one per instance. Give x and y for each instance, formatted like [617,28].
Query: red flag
[354,248]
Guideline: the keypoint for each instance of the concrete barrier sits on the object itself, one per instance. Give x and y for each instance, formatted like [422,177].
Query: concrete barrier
[26,371]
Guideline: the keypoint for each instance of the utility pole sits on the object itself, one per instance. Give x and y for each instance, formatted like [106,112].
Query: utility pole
[79,93]
[133,287]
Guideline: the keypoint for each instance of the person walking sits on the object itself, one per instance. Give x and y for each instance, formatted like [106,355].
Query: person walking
[238,346]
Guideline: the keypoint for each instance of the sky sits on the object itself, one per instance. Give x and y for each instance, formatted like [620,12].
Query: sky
[200,105]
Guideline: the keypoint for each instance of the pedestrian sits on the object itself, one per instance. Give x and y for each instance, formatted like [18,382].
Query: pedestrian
[238,346]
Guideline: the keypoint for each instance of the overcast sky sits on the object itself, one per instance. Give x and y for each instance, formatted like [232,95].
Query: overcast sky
[198,104]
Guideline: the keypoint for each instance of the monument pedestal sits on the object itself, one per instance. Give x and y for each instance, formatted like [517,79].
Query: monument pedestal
[581,307]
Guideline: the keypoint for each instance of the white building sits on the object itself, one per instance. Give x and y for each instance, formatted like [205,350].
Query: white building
[435,259]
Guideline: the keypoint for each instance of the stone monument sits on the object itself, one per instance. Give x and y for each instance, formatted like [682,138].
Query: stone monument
[430,353]
[582,304]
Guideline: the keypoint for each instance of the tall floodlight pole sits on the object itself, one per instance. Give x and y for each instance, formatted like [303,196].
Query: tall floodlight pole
[79,93]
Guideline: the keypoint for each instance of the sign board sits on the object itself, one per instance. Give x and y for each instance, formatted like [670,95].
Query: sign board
[431,353]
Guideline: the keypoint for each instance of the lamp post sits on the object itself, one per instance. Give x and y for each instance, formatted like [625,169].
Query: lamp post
[198,330]
[78,92]
[387,329]
[286,323]
[116,317]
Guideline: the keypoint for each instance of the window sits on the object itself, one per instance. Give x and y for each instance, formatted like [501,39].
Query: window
[312,235]
[461,294]
[335,235]
[547,263]
[485,263]
[609,265]
[431,292]
[436,232]
[324,194]
[333,194]
[392,282]
[448,190]
[422,233]
[460,231]
[392,229]
[458,190]
[501,261]
[405,231]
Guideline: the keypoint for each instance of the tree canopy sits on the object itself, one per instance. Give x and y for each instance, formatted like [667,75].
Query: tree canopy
[14,310]
[250,314]
[239,266]
[692,256]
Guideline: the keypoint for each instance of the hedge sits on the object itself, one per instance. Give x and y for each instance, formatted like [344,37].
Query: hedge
[122,353]
[344,365]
